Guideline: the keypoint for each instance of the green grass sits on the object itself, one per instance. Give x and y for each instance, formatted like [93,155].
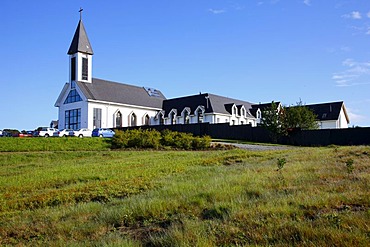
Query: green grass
[183,198]
[10,144]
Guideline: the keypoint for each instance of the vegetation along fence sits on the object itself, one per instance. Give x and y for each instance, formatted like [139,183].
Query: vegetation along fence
[350,136]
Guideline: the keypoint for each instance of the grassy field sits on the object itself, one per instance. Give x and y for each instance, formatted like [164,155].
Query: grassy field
[92,196]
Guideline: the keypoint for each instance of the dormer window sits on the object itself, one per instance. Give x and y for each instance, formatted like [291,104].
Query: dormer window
[234,110]
[199,112]
[85,69]
[259,115]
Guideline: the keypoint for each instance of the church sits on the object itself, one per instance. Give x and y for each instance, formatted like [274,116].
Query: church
[87,102]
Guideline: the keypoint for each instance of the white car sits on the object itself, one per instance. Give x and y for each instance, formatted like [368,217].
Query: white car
[81,133]
[44,132]
[62,133]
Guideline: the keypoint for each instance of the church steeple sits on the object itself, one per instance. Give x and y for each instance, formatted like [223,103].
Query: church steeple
[80,41]
[80,52]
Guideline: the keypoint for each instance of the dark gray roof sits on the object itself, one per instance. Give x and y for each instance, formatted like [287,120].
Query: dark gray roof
[115,92]
[327,111]
[215,104]
[80,41]
[262,107]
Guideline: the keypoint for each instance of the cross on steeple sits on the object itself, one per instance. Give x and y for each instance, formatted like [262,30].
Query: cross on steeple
[81,9]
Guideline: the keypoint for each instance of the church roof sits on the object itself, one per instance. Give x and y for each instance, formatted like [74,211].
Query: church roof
[212,104]
[80,41]
[115,92]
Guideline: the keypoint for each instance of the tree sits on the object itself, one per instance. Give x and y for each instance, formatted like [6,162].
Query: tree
[271,120]
[298,117]
[279,121]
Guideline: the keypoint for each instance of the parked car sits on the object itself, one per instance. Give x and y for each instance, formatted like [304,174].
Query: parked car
[81,133]
[24,133]
[102,132]
[7,134]
[44,131]
[62,133]
[1,133]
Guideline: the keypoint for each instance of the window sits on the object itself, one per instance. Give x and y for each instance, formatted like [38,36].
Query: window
[73,119]
[242,110]
[119,119]
[133,120]
[161,120]
[97,118]
[73,96]
[73,68]
[259,114]
[85,69]
[146,120]
[186,117]
[234,110]
[173,118]
[200,115]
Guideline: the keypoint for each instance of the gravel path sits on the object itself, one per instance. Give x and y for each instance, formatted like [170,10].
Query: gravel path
[258,147]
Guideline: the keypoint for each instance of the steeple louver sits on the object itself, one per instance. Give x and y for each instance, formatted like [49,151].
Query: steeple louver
[80,41]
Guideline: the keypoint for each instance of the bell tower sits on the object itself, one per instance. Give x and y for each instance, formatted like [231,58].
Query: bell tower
[80,55]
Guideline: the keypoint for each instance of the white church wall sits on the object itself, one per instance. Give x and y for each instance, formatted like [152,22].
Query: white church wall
[109,113]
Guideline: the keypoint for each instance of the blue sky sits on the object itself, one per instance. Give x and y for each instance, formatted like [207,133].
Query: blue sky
[253,50]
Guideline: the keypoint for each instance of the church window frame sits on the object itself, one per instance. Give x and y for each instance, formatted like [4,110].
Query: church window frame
[118,119]
[146,119]
[132,119]
[72,119]
[97,117]
[73,96]
[85,69]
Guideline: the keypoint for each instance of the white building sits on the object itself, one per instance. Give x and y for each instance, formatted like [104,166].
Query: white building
[332,115]
[87,102]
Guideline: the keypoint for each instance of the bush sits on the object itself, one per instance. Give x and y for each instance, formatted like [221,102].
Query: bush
[201,142]
[138,138]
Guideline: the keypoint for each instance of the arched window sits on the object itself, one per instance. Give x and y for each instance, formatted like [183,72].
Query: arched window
[133,120]
[146,120]
[118,119]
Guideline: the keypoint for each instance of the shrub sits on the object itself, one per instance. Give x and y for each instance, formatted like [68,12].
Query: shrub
[120,139]
[138,138]
[201,142]
[280,163]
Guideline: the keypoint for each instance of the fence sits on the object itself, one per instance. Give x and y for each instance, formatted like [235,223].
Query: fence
[350,136]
